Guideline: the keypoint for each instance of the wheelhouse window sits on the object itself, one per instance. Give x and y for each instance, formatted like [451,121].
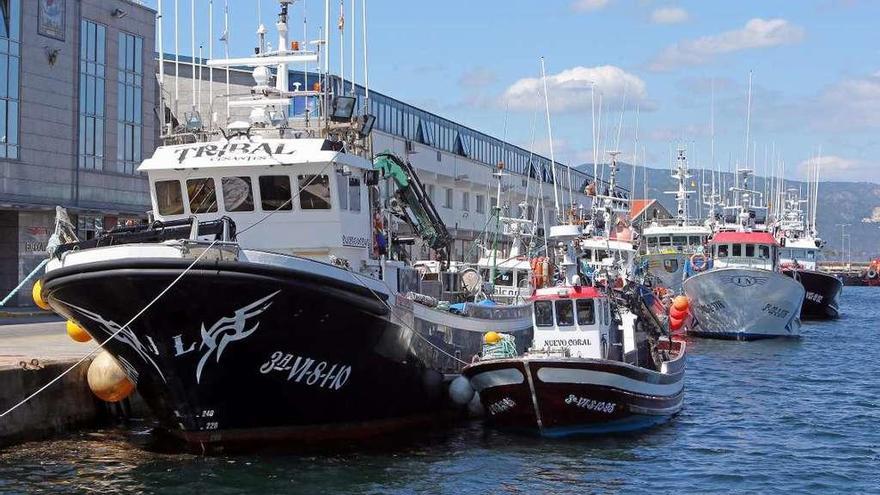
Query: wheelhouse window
[522,278]
[237,194]
[275,192]
[764,252]
[202,195]
[695,240]
[314,192]
[811,255]
[342,191]
[586,312]
[737,250]
[169,197]
[750,250]
[544,313]
[354,194]
[722,250]
[679,240]
[665,241]
[564,312]
[504,277]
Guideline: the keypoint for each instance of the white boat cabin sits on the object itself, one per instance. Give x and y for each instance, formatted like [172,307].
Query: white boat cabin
[573,320]
[295,196]
[671,239]
[803,253]
[744,249]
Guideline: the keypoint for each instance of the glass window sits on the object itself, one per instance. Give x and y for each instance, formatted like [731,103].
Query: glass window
[481,203]
[169,197]
[811,255]
[679,240]
[665,241]
[130,91]
[237,194]
[202,196]
[275,193]
[447,203]
[564,312]
[354,194]
[737,250]
[695,240]
[522,278]
[342,191]
[431,192]
[750,250]
[314,192]
[764,252]
[586,314]
[504,277]
[607,312]
[9,77]
[91,105]
[544,313]
[722,251]
[465,201]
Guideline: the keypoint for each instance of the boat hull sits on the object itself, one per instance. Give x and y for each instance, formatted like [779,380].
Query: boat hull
[744,304]
[821,297]
[559,397]
[239,352]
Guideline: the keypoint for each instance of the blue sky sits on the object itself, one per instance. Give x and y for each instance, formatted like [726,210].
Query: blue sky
[816,67]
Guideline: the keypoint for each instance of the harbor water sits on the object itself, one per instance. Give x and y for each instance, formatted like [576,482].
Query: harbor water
[769,416]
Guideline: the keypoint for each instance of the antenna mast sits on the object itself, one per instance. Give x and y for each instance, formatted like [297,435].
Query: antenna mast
[550,135]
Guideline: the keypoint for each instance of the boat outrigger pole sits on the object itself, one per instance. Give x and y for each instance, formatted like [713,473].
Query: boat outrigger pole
[411,204]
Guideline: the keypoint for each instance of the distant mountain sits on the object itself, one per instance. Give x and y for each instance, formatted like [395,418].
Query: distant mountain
[854,203]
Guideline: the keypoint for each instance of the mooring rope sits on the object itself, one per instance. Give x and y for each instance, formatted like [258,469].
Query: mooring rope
[111,337]
[23,282]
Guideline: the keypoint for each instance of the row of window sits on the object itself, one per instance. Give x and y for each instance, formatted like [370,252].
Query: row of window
[92,86]
[10,63]
[761,251]
[275,192]
[567,311]
[675,240]
[797,254]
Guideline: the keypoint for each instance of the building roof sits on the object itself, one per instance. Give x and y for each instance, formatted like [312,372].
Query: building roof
[638,206]
[743,238]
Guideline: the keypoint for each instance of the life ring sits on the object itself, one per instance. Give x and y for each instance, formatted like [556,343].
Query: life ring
[703,262]
[872,273]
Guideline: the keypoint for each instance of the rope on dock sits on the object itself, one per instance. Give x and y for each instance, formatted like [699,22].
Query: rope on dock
[23,282]
[111,337]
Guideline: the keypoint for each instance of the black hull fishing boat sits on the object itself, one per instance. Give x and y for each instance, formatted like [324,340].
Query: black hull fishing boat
[822,291]
[269,298]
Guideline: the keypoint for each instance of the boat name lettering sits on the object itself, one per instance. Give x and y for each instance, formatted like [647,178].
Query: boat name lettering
[566,343]
[307,370]
[232,151]
[817,298]
[354,241]
[712,307]
[501,406]
[774,310]
[590,404]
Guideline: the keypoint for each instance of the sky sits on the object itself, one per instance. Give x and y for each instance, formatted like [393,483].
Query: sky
[660,68]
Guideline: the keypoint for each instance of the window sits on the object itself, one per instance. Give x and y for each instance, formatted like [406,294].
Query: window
[544,313]
[481,203]
[130,89]
[722,251]
[10,59]
[202,196]
[586,314]
[275,193]
[431,192]
[565,312]
[88,226]
[504,277]
[237,194]
[169,197]
[314,192]
[665,241]
[448,202]
[465,201]
[91,95]
[493,202]
[737,250]
[679,240]
[695,240]
[750,250]
[522,279]
[764,252]
[354,194]
[342,191]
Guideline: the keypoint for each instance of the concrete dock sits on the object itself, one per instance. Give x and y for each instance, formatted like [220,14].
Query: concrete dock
[34,350]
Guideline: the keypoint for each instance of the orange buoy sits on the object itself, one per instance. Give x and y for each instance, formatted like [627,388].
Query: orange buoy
[37,294]
[677,313]
[108,380]
[675,323]
[76,332]
[681,303]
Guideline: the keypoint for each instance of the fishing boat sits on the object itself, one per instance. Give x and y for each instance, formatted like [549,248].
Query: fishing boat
[600,361]
[741,294]
[671,248]
[799,254]
[256,305]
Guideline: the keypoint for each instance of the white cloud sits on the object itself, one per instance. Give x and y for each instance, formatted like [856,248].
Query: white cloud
[757,33]
[850,104]
[833,167]
[569,90]
[669,15]
[589,5]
